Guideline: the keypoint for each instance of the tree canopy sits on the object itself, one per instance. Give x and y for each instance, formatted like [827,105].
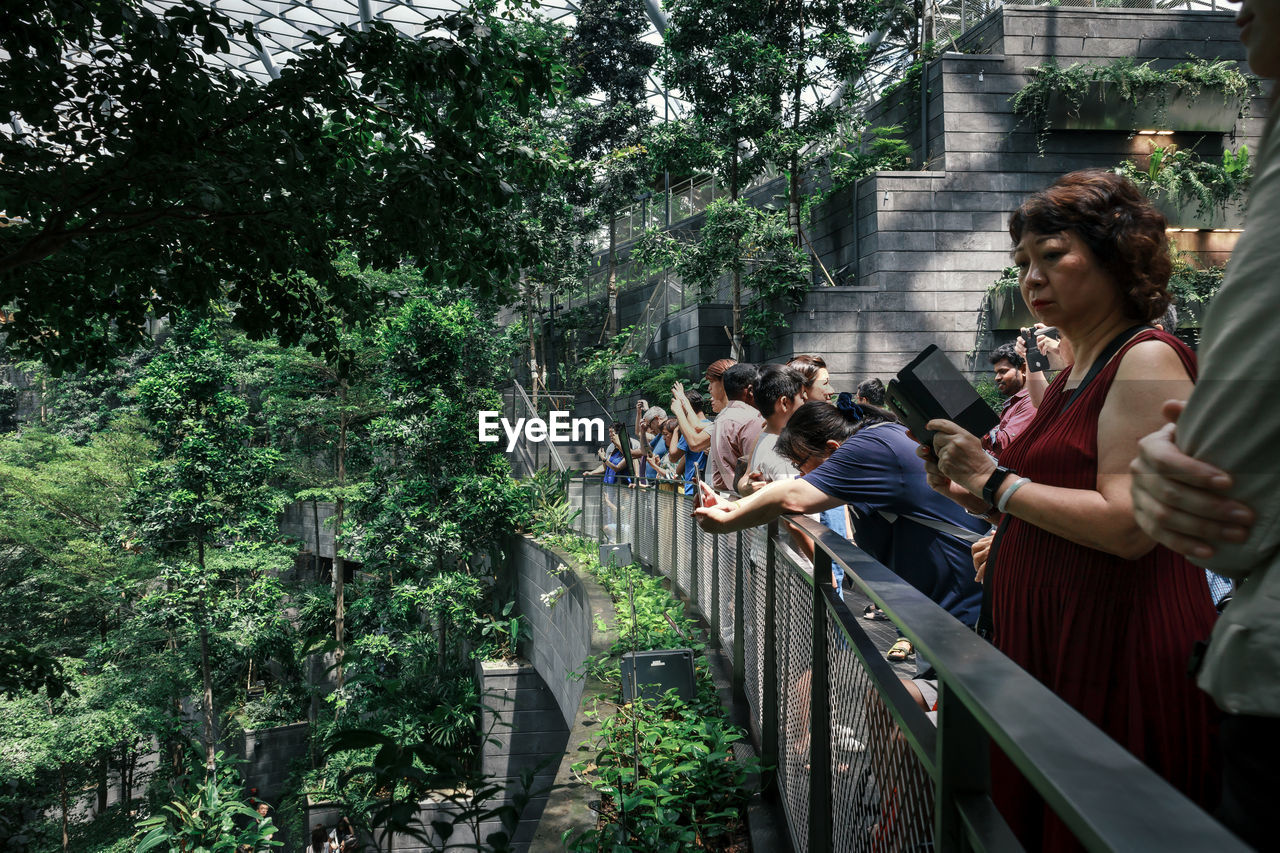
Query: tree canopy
[141,180]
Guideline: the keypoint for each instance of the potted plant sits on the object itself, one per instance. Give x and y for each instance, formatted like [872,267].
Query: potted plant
[1192,192]
[1008,309]
[1193,289]
[1197,95]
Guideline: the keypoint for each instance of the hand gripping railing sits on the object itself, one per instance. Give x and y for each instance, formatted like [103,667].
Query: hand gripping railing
[858,765]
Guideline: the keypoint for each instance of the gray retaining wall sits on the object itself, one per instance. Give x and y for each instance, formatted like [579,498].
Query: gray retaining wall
[914,252]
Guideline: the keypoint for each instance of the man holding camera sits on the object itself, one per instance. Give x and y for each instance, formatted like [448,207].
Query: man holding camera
[1018,410]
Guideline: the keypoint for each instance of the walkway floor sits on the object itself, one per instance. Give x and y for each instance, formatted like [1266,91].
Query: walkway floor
[882,631]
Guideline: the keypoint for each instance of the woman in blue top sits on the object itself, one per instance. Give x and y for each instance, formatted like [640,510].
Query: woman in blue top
[616,461]
[861,457]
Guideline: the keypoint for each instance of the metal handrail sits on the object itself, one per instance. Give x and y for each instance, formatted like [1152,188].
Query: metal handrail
[551,448]
[1104,795]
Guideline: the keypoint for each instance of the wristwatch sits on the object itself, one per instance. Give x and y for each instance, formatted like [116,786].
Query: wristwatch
[993,483]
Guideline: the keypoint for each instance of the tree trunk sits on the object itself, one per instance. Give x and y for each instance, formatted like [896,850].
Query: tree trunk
[793,184]
[533,347]
[62,787]
[210,763]
[339,563]
[735,339]
[175,746]
[611,279]
[125,791]
[104,769]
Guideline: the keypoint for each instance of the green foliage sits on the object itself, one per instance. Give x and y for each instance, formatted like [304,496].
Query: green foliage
[500,634]
[209,484]
[594,370]
[1007,282]
[437,494]
[1180,175]
[691,789]
[1133,82]
[547,502]
[141,182]
[1191,286]
[859,155]
[207,815]
[990,392]
[741,241]
[654,383]
[83,403]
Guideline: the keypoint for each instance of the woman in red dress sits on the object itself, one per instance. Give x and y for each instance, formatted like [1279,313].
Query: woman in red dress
[1081,598]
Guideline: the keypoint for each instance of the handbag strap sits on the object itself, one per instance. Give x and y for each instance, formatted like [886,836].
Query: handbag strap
[1103,358]
[962,533]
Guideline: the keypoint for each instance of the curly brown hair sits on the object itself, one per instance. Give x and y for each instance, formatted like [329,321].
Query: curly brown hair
[1118,224]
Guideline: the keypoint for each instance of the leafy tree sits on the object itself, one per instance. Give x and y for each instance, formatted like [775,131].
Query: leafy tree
[824,56]
[208,485]
[753,246]
[726,59]
[140,181]
[437,495]
[610,61]
[208,814]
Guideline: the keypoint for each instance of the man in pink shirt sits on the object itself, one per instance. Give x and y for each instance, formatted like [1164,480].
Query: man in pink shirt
[1011,378]
[737,427]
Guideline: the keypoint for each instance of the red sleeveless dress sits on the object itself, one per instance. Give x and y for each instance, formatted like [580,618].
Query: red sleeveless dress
[1111,636]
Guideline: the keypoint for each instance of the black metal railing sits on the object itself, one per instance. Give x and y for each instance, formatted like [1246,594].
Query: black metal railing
[856,763]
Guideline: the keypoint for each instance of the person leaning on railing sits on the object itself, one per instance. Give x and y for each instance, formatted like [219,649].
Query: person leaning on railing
[1081,597]
[861,456]
[1210,490]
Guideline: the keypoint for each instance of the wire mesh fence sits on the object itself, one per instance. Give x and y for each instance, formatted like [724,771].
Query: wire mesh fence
[744,583]
[856,763]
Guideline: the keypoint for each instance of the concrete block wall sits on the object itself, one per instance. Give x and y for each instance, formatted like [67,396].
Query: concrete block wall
[559,639]
[269,756]
[925,245]
[914,252]
[299,522]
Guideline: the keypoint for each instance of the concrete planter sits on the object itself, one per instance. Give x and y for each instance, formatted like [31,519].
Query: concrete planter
[1186,214]
[1008,311]
[1103,108]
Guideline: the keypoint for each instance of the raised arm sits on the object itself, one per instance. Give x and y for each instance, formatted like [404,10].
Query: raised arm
[695,436]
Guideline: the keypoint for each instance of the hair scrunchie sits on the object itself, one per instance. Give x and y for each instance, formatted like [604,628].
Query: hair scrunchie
[845,403]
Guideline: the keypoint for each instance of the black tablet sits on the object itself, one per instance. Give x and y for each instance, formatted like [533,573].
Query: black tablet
[931,387]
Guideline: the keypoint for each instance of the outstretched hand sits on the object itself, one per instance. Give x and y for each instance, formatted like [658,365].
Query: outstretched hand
[1181,502]
[713,511]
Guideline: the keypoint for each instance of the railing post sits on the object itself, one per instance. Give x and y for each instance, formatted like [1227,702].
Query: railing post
[739,627]
[769,716]
[964,767]
[820,712]
[694,559]
[634,533]
[715,592]
[657,547]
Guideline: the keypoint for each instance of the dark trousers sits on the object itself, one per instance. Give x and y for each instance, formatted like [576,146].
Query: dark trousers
[1251,778]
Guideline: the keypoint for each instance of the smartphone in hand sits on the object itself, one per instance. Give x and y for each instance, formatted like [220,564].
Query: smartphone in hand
[1037,362]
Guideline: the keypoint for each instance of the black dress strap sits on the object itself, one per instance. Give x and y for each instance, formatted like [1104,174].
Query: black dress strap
[1103,357]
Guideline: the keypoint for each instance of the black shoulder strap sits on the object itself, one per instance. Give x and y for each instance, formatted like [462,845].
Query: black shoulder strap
[1103,357]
